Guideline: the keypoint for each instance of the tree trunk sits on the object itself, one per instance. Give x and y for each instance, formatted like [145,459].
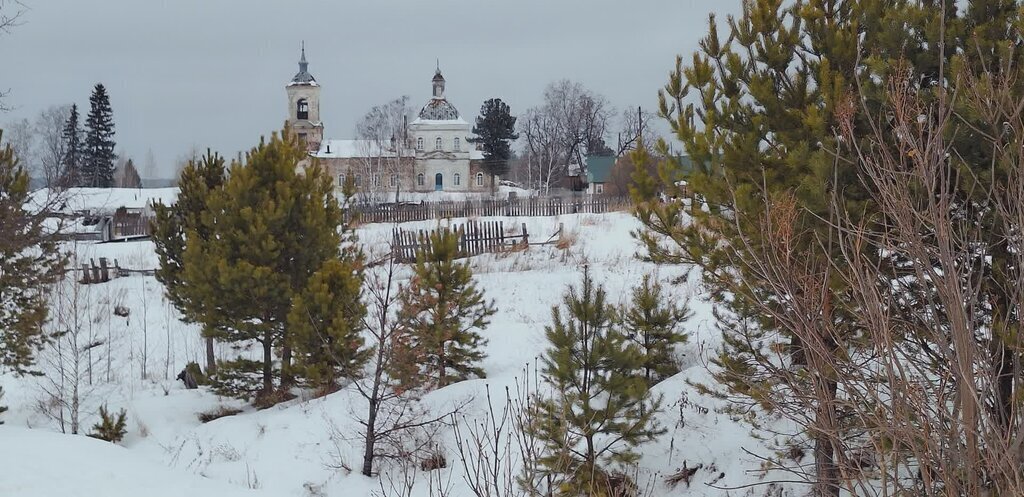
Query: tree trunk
[268,363]
[374,399]
[441,367]
[211,361]
[826,473]
[287,378]
[1003,359]
[591,458]
[371,439]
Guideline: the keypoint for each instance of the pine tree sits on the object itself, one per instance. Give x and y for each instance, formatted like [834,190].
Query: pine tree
[602,409]
[440,313]
[110,428]
[761,131]
[198,181]
[98,158]
[990,30]
[30,260]
[495,128]
[652,323]
[325,325]
[270,229]
[73,155]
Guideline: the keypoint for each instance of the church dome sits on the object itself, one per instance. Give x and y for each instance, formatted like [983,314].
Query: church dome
[439,109]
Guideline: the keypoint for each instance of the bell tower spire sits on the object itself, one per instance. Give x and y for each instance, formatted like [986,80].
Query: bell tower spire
[438,82]
[304,105]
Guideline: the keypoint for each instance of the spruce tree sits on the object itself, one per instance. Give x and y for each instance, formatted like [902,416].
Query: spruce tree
[602,409]
[652,323]
[198,180]
[270,229]
[130,176]
[440,312]
[495,129]
[98,158]
[325,325]
[30,260]
[74,152]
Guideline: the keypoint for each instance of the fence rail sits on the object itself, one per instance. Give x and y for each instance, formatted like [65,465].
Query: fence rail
[475,238]
[534,207]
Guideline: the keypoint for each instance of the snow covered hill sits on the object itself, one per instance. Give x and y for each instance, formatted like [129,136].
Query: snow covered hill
[39,463]
[310,447]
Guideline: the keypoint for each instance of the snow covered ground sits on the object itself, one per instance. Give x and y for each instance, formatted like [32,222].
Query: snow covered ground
[309,447]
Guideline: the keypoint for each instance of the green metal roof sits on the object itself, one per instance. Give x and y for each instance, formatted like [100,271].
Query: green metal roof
[599,168]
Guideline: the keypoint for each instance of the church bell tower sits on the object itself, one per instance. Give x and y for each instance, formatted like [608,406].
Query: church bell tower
[304,106]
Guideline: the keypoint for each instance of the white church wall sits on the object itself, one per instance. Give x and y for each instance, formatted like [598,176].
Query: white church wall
[448,168]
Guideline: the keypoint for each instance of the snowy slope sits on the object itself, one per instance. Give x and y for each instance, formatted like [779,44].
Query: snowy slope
[310,447]
[38,463]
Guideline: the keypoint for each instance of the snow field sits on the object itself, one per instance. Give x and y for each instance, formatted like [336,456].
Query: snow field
[312,446]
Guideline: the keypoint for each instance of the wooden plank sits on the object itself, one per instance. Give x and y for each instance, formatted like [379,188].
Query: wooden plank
[476,238]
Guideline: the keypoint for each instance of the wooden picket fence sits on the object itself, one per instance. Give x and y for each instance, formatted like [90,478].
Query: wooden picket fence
[553,206]
[475,238]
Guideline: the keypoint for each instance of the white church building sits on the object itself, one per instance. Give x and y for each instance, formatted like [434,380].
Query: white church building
[434,155]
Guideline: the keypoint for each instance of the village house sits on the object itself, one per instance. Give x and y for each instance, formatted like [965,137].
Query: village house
[598,173]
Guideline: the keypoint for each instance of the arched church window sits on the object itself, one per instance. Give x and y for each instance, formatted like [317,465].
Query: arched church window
[419,179]
[437,143]
[341,180]
[458,177]
[394,180]
[302,109]
[455,145]
[419,143]
[376,180]
[479,179]
[359,181]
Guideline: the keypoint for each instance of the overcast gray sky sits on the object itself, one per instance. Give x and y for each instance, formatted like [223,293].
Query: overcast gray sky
[211,73]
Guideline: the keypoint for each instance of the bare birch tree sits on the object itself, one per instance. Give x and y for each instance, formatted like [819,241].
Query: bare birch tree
[20,136]
[571,123]
[67,360]
[636,128]
[383,145]
[52,147]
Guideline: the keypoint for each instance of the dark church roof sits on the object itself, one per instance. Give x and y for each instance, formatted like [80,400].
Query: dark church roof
[303,77]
